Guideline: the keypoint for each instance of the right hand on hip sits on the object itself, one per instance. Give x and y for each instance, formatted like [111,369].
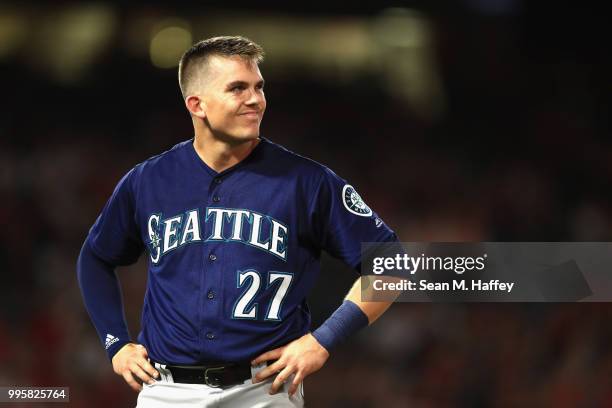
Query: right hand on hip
[132,364]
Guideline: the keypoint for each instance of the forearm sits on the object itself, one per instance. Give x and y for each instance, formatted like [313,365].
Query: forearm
[102,297]
[349,318]
[373,310]
[353,315]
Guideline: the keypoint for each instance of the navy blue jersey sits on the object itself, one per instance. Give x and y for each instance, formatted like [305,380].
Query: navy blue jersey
[232,255]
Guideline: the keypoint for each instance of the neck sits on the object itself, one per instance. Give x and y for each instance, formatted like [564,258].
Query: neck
[220,155]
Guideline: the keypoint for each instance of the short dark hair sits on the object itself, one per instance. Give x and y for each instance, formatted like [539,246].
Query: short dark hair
[195,57]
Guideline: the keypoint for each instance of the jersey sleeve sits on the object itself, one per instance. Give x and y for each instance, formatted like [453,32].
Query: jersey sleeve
[341,221]
[115,236]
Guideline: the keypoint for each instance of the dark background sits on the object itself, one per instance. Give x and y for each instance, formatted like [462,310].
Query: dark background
[472,120]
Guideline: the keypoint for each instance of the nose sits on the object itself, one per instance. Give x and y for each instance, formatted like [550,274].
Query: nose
[255,98]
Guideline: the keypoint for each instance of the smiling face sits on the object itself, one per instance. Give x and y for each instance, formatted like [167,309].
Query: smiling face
[231,98]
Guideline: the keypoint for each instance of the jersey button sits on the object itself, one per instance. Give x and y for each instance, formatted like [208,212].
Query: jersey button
[212,257]
[216,199]
[210,336]
[218,181]
[211,295]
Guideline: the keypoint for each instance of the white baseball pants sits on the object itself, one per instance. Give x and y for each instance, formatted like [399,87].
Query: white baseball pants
[165,393]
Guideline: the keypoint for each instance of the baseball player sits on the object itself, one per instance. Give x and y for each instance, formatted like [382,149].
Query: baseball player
[233,226]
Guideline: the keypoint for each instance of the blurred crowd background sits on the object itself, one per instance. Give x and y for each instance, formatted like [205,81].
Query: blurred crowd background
[473,120]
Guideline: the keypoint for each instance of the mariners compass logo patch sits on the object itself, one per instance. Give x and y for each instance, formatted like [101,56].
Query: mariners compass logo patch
[353,202]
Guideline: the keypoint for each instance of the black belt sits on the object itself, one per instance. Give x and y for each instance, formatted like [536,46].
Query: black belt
[218,376]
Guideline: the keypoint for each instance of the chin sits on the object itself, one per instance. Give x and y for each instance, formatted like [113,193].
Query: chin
[248,137]
[250,134]
[239,138]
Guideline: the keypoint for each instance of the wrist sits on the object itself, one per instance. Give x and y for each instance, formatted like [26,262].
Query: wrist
[342,324]
[321,348]
[115,348]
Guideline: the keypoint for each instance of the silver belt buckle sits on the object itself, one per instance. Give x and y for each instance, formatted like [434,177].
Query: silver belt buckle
[208,381]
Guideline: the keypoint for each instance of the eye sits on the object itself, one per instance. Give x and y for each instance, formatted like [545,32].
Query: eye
[260,86]
[237,89]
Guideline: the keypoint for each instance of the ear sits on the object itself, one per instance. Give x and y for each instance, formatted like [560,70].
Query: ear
[196,106]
